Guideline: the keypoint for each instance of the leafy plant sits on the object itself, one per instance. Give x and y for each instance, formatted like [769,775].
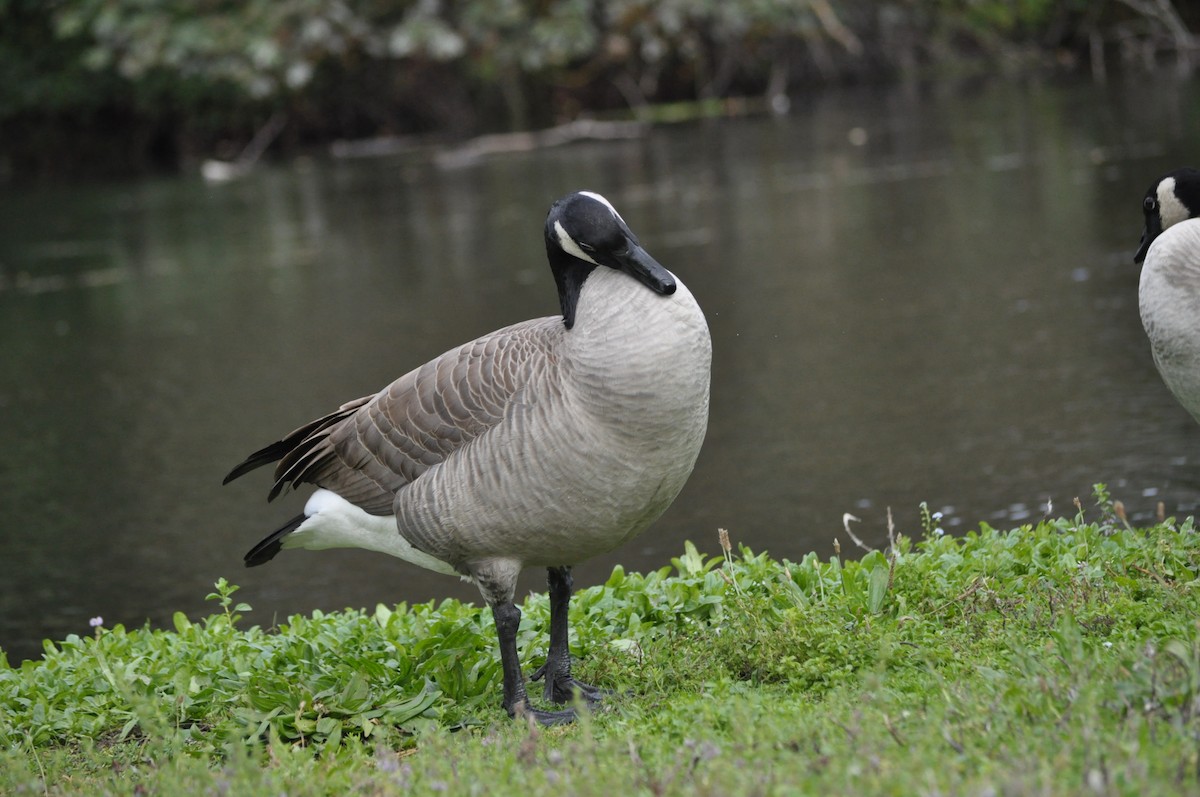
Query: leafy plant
[993,648]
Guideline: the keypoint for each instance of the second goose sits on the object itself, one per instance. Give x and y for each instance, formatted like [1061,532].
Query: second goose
[1169,291]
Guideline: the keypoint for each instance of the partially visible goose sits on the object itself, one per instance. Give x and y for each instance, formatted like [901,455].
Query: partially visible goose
[543,443]
[1169,293]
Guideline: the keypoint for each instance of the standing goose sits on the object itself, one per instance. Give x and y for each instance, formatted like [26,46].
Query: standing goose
[1169,292]
[543,443]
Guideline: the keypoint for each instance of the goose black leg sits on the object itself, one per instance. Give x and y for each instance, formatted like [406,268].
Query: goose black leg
[560,686]
[516,701]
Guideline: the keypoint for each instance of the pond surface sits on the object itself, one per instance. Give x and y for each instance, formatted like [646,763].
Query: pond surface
[914,296]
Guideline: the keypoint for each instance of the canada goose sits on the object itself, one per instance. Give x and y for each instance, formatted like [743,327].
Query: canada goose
[1169,291]
[543,443]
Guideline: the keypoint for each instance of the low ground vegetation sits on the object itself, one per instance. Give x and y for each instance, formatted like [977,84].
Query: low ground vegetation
[1061,658]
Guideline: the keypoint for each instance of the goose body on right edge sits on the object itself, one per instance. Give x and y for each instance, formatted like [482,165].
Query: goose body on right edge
[1169,292]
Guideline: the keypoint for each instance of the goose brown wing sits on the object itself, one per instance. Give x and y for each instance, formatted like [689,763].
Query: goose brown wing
[371,448]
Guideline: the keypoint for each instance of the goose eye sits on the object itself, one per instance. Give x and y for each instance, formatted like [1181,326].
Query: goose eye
[586,247]
[1150,204]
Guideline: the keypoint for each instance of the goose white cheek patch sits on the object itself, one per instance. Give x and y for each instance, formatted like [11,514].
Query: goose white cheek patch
[568,244]
[1170,209]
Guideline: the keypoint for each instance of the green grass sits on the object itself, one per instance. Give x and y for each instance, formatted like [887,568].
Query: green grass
[1057,659]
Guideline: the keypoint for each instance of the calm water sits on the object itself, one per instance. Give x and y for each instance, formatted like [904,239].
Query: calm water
[914,296]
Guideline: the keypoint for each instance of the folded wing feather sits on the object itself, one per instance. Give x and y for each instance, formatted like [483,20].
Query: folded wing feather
[372,447]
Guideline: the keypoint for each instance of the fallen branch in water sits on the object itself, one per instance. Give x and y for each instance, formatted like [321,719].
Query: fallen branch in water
[581,129]
[218,171]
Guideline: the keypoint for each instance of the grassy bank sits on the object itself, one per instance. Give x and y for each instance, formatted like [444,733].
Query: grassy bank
[1060,659]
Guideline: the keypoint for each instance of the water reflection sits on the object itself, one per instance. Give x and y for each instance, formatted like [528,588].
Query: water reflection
[913,297]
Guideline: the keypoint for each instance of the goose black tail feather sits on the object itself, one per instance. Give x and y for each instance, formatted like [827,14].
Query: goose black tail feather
[264,456]
[306,436]
[265,551]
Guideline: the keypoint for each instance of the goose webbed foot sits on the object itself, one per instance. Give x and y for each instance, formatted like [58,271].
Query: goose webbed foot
[562,687]
[544,718]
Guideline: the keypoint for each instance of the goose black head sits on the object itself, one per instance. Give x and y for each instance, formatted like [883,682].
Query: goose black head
[1173,198]
[584,231]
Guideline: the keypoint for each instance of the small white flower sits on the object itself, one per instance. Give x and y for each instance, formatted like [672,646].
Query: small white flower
[96,621]
[939,531]
[937,516]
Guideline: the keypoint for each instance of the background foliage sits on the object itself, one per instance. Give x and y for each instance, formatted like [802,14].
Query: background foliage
[106,85]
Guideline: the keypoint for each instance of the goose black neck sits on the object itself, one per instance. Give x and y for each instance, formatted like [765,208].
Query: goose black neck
[1187,190]
[569,275]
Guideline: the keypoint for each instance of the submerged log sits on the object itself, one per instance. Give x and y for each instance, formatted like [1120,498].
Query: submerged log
[218,171]
[581,129]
